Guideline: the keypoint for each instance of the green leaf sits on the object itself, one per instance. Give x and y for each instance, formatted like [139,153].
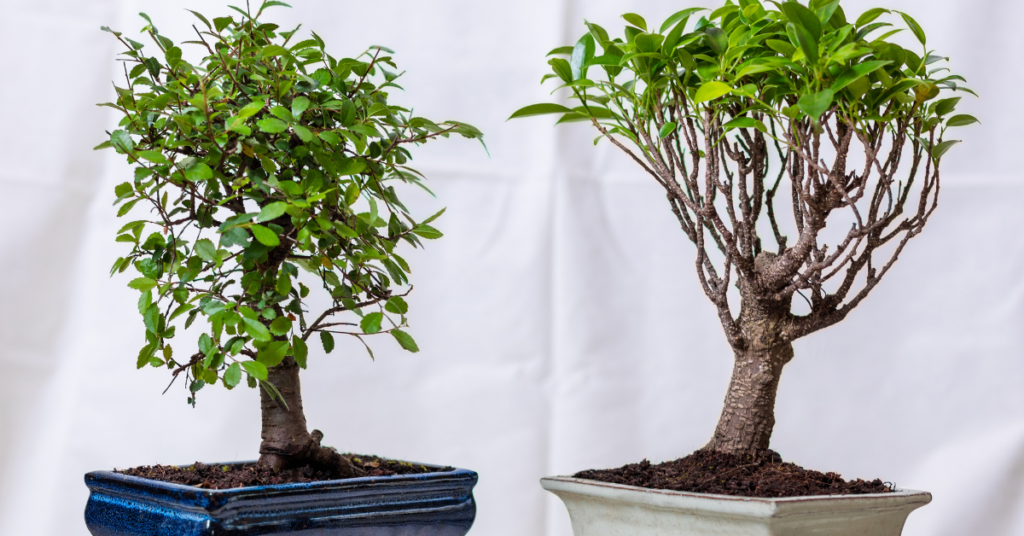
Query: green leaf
[540,109]
[256,370]
[781,47]
[283,286]
[679,16]
[206,250]
[808,44]
[562,69]
[232,375]
[281,326]
[870,15]
[274,51]
[327,340]
[435,216]
[273,353]
[371,323]
[945,106]
[914,27]
[202,18]
[272,125]
[122,142]
[144,355]
[199,172]
[180,310]
[330,137]
[397,305]
[427,232]
[143,283]
[815,104]
[299,105]
[237,124]
[405,340]
[206,345]
[961,120]
[299,351]
[582,53]
[303,133]
[257,330]
[561,51]
[803,18]
[667,130]
[716,39]
[351,166]
[344,230]
[942,148]
[155,157]
[745,122]
[222,22]
[272,211]
[123,191]
[855,72]
[265,235]
[711,91]
[636,20]
[272,3]
[251,109]
[600,34]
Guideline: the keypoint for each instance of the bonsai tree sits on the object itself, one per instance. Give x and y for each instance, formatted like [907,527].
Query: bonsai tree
[764,123]
[267,173]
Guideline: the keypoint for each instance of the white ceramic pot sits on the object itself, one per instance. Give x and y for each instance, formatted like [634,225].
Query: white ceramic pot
[601,509]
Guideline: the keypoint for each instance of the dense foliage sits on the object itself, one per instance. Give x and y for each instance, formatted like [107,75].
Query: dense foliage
[266,158]
[753,96]
[791,64]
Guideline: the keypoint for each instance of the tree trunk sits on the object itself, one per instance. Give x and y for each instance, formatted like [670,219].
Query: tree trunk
[748,415]
[287,443]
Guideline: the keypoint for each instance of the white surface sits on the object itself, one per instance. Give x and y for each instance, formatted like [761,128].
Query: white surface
[601,509]
[561,323]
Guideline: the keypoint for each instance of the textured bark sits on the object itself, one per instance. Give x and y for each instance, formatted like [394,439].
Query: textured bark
[287,443]
[748,415]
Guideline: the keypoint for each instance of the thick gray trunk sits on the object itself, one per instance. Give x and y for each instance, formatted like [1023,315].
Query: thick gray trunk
[748,414]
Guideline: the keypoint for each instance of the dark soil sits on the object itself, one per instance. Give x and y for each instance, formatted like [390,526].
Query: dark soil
[724,474]
[250,474]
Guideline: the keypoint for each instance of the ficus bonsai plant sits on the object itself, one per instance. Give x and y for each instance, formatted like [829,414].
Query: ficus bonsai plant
[799,149]
[265,174]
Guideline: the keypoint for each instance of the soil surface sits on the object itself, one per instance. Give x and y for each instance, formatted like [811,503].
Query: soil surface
[724,474]
[205,476]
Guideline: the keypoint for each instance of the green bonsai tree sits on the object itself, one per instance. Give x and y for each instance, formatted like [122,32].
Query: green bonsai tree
[266,159]
[757,110]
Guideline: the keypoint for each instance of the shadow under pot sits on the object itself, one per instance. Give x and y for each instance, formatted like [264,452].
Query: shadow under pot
[429,504]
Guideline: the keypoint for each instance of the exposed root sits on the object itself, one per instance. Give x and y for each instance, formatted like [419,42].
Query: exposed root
[310,453]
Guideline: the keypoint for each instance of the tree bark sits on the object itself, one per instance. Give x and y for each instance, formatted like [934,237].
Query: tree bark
[287,443]
[748,414]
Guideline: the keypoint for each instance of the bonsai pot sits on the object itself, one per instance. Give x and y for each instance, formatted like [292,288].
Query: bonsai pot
[603,509]
[431,504]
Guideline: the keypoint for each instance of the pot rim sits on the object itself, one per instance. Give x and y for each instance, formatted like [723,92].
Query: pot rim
[731,505]
[99,478]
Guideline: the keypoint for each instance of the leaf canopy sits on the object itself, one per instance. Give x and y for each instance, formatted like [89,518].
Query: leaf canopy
[260,157]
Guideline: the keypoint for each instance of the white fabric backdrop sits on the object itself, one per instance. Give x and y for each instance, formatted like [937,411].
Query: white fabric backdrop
[561,324]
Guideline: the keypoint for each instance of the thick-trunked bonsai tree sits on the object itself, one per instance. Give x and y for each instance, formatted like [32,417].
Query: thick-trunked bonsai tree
[764,123]
[265,174]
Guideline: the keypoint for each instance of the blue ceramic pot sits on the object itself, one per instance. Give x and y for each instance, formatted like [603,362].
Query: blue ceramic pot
[433,504]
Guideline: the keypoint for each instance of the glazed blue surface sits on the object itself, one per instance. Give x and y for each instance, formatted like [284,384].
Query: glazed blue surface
[432,504]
